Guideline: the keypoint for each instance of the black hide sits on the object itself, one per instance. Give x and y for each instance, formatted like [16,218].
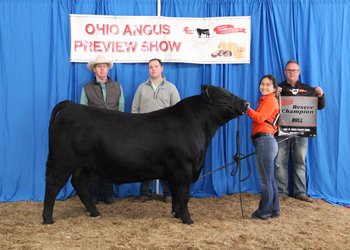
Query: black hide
[168,144]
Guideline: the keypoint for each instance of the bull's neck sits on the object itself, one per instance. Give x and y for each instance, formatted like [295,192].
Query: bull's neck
[212,120]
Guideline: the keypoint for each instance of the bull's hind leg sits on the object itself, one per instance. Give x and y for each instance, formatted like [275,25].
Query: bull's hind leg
[80,182]
[54,184]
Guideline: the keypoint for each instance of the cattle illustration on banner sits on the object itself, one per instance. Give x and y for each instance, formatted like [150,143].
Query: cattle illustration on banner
[298,109]
[128,39]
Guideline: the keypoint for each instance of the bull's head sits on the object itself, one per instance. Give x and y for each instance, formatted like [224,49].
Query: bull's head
[222,97]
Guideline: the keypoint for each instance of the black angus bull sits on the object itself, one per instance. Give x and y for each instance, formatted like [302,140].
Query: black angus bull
[168,144]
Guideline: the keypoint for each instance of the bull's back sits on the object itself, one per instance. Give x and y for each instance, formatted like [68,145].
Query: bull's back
[125,143]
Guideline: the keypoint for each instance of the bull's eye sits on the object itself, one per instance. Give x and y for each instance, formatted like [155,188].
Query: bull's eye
[221,97]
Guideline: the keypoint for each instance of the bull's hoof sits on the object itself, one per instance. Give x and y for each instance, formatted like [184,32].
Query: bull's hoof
[97,217]
[188,222]
[47,222]
[176,214]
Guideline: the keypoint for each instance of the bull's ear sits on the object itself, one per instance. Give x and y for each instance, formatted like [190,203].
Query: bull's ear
[204,87]
[205,92]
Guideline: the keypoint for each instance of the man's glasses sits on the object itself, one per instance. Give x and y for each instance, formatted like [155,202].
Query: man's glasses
[292,70]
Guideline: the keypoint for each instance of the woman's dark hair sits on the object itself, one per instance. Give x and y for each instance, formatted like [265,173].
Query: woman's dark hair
[274,82]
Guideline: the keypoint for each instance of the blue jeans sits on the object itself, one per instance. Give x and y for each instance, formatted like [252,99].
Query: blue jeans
[265,152]
[297,147]
[146,189]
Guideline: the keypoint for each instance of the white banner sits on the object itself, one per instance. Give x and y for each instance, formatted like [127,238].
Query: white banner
[133,39]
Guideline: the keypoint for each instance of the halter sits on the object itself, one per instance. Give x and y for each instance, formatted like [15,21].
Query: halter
[231,105]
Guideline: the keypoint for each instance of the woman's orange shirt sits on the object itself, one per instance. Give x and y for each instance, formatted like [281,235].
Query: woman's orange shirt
[267,110]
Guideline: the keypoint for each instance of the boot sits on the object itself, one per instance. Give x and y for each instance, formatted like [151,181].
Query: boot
[95,199]
[109,200]
[107,191]
[95,187]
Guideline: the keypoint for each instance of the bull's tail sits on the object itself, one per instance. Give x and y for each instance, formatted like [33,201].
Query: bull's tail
[57,109]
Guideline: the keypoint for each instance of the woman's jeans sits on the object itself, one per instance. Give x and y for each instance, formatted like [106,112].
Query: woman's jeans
[266,149]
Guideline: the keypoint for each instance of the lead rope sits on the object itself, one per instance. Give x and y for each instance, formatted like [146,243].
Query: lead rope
[237,159]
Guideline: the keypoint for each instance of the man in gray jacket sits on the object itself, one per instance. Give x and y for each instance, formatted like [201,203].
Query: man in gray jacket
[154,94]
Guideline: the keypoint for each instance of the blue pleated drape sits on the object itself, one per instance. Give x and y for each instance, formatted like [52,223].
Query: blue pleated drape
[36,74]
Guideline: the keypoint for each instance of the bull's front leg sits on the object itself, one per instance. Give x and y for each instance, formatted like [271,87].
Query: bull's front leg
[181,197]
[175,203]
[175,207]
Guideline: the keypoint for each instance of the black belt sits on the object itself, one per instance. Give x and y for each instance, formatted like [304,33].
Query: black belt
[253,137]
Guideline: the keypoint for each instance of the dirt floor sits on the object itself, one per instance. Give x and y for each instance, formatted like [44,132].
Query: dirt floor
[218,225]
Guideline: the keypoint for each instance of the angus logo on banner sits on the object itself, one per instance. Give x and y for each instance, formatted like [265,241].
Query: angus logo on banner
[298,109]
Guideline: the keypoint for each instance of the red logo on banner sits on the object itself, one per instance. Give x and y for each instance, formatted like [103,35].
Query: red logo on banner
[227,28]
[188,31]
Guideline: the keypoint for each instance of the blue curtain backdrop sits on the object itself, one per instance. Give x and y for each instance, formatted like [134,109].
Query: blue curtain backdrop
[36,74]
